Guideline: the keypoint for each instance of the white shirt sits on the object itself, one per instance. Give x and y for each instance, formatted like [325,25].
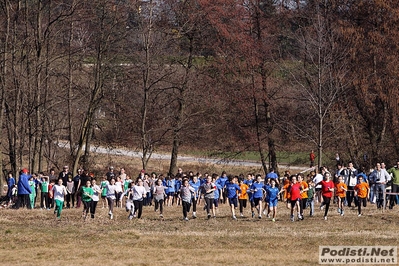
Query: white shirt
[95,196]
[381,176]
[138,192]
[118,185]
[111,191]
[59,192]
[317,179]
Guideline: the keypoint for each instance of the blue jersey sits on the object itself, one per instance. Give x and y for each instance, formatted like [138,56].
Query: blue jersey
[165,185]
[249,184]
[217,190]
[272,175]
[232,189]
[171,185]
[216,194]
[257,190]
[221,181]
[265,187]
[195,185]
[272,193]
[178,184]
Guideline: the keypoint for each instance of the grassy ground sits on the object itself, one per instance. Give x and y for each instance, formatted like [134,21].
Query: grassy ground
[33,237]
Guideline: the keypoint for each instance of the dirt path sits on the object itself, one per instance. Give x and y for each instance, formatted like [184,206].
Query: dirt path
[188,159]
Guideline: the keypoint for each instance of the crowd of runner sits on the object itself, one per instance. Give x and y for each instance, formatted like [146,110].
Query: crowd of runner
[346,187]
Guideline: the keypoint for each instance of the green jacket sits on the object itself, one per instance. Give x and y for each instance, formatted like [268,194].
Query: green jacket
[395,175]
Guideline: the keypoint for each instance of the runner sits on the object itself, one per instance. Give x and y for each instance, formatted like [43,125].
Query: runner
[272,191]
[243,197]
[327,189]
[111,189]
[186,193]
[231,189]
[362,191]
[340,192]
[59,193]
[208,189]
[139,193]
[95,198]
[195,183]
[159,196]
[87,195]
[257,190]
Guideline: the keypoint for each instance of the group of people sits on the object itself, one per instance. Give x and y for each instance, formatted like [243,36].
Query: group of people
[56,191]
[345,187]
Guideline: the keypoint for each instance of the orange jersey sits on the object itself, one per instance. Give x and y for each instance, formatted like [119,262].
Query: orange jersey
[304,185]
[362,190]
[287,195]
[244,189]
[339,189]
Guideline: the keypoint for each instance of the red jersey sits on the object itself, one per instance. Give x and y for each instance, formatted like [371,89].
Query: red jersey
[295,191]
[325,188]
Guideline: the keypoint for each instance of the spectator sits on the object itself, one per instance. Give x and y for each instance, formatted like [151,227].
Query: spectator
[23,189]
[64,175]
[379,177]
[394,171]
[312,157]
[10,186]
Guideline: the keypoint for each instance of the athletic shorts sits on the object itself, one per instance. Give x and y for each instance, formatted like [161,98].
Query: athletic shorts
[257,200]
[293,202]
[252,203]
[216,202]
[272,203]
[233,201]
[171,194]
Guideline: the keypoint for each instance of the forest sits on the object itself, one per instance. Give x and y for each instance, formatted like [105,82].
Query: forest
[225,76]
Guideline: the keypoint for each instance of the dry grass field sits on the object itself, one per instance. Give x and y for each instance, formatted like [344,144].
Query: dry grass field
[34,237]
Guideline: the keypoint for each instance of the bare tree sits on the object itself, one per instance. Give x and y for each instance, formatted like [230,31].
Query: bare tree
[107,24]
[323,75]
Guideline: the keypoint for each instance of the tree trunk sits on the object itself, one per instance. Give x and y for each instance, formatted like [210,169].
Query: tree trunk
[181,108]
[258,135]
